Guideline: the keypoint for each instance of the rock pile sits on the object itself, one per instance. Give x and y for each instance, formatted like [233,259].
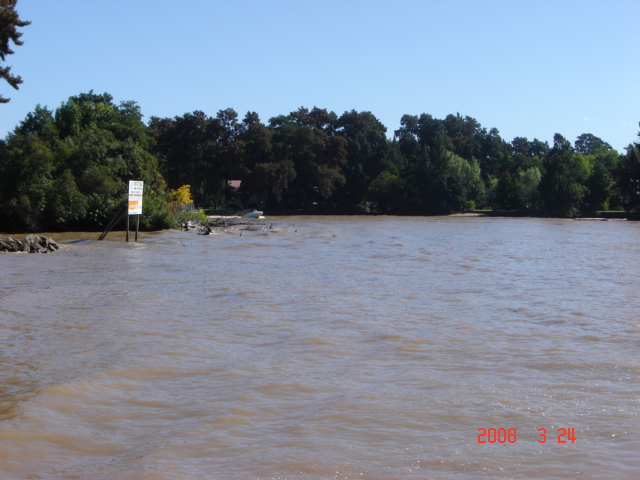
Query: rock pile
[31,244]
[204,230]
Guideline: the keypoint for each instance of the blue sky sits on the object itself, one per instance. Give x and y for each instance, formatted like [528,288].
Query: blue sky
[528,68]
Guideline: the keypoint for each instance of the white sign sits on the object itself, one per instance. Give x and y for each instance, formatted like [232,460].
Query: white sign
[135,197]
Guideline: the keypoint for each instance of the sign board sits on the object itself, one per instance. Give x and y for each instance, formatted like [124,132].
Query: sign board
[135,197]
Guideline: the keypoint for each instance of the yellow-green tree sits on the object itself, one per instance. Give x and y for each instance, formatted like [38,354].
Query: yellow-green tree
[181,196]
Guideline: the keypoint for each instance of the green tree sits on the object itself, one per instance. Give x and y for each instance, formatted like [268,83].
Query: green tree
[518,191]
[369,153]
[562,185]
[105,146]
[442,181]
[71,169]
[521,146]
[27,170]
[529,180]
[269,181]
[230,147]
[265,177]
[308,139]
[256,140]
[600,183]
[9,24]
[588,144]
[66,205]
[506,192]
[457,185]
[526,154]
[494,153]
[462,135]
[41,123]
[410,140]
[628,177]
[391,193]
[539,148]
[188,149]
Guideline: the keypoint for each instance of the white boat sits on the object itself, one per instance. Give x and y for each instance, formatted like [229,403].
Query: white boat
[253,213]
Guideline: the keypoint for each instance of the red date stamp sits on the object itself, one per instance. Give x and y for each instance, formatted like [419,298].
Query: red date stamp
[510,435]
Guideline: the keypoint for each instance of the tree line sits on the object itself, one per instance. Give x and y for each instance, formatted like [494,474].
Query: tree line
[69,168]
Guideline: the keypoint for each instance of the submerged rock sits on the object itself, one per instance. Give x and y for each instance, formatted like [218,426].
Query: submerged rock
[204,230]
[11,245]
[32,244]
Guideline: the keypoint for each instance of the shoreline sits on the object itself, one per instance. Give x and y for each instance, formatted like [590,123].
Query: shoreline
[610,215]
[72,235]
[597,216]
[64,236]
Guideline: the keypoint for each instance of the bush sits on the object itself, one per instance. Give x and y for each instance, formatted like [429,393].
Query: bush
[156,214]
[185,216]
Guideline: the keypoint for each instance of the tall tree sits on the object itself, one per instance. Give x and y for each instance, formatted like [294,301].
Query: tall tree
[369,153]
[264,177]
[70,169]
[525,154]
[308,139]
[628,173]
[562,185]
[9,24]
[588,144]
[453,184]
[462,135]
[188,148]
[494,153]
[518,191]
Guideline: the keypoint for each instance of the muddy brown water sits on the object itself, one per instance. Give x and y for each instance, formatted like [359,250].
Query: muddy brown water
[326,348]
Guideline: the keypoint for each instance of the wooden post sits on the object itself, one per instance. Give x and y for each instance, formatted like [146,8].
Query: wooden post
[137,226]
[116,218]
[127,237]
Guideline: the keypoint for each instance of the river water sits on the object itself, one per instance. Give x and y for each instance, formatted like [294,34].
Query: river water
[326,348]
